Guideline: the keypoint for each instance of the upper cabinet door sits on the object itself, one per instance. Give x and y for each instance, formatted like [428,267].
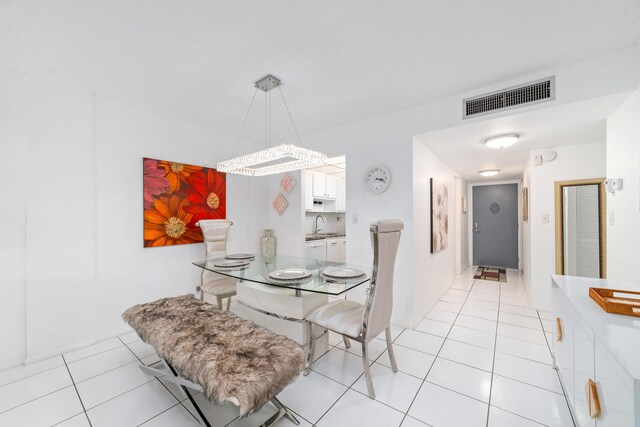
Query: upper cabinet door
[341,201]
[319,185]
[331,187]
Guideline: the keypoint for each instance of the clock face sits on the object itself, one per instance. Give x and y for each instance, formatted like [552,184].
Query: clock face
[377,178]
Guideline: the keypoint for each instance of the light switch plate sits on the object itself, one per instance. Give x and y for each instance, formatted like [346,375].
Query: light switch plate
[537,160]
[545,218]
[354,218]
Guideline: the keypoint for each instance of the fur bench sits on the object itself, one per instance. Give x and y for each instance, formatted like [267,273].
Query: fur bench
[228,358]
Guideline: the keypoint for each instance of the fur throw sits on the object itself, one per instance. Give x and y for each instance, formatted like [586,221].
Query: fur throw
[231,358]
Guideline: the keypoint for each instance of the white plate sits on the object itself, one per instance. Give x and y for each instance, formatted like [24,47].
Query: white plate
[290,274]
[231,263]
[342,272]
[240,256]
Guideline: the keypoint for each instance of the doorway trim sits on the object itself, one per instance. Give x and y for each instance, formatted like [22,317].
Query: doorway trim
[602,223]
[470,210]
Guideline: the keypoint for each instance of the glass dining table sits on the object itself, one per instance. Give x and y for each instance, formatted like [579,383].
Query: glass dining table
[323,277]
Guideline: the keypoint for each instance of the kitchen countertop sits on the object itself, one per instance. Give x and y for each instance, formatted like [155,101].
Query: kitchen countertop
[311,237]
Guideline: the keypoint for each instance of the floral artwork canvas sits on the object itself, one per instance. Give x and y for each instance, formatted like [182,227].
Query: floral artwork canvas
[176,196]
[280,204]
[287,183]
[439,216]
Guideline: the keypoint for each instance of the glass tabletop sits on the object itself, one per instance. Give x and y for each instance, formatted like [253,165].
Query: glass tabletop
[324,277]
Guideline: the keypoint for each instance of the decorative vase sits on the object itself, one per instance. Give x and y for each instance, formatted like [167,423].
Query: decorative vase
[268,244]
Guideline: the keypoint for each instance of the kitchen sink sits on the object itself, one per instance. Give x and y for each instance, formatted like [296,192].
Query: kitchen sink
[321,236]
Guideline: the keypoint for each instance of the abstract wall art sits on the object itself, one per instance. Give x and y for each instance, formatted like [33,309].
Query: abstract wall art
[176,196]
[439,216]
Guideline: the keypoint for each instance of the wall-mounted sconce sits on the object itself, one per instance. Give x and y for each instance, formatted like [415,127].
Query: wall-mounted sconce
[613,184]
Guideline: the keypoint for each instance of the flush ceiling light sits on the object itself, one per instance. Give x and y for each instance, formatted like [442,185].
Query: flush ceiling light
[502,141]
[278,159]
[489,172]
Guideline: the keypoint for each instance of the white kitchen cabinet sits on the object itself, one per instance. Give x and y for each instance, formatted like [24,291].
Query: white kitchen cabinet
[343,250]
[324,186]
[333,250]
[316,249]
[331,187]
[341,201]
[591,344]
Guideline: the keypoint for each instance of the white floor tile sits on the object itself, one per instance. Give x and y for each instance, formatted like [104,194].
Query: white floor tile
[479,303]
[522,333]
[456,296]
[524,321]
[33,387]
[259,417]
[101,388]
[375,348]
[176,416]
[395,331]
[545,315]
[141,349]
[502,418]
[134,407]
[441,316]
[546,324]
[462,283]
[412,422]
[448,306]
[516,309]
[100,363]
[531,402]
[19,372]
[395,389]
[434,327]
[525,349]
[218,415]
[357,409]
[45,411]
[409,361]
[527,371]
[476,323]
[466,380]
[79,420]
[334,339]
[150,360]
[523,302]
[130,337]
[340,366]
[325,393]
[471,336]
[467,354]
[440,407]
[420,341]
[92,349]
[481,313]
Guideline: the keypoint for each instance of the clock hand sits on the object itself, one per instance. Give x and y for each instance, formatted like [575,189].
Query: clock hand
[379,179]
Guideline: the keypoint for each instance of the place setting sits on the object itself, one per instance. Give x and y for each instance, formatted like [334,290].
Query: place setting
[289,276]
[335,274]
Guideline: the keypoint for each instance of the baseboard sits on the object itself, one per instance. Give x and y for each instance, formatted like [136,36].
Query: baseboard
[59,351]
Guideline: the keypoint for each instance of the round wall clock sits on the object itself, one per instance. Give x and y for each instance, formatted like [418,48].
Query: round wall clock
[377,179]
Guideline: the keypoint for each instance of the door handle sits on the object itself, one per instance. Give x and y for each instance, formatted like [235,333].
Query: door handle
[475,227]
[593,399]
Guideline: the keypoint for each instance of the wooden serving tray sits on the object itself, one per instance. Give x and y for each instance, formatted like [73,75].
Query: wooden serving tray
[617,301]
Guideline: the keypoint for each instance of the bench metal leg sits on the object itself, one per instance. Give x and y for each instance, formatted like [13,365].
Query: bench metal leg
[283,411]
[310,350]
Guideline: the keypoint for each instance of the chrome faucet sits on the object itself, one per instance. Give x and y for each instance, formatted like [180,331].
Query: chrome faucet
[315,225]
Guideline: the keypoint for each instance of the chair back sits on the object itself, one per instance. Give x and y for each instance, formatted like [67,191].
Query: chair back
[385,237]
[215,232]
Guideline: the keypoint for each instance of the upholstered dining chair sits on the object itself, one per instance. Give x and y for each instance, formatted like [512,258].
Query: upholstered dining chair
[362,323]
[215,233]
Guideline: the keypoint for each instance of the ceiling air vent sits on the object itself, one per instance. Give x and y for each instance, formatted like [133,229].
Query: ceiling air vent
[535,92]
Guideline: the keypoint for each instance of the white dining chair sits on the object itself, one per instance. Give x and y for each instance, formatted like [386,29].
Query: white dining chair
[215,232]
[362,323]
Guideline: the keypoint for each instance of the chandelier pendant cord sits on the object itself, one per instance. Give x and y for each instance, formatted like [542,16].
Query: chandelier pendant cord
[244,122]
[290,117]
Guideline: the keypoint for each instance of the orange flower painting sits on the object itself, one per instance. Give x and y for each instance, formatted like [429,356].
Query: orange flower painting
[176,197]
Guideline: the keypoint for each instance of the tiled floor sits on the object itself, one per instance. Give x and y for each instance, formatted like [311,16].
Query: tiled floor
[479,358]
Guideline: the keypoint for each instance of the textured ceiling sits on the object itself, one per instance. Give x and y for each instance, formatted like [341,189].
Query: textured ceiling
[341,61]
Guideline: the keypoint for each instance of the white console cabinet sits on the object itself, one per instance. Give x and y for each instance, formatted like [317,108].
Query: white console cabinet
[591,344]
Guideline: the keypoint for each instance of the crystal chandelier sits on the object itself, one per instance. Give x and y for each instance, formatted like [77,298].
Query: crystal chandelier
[273,160]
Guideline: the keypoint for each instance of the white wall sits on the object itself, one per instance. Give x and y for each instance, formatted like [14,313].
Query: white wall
[288,227]
[432,273]
[573,162]
[623,161]
[73,258]
[461,189]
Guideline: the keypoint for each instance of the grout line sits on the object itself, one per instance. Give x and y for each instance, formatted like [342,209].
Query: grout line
[32,375]
[76,389]
[37,398]
[493,363]
[518,415]
[158,414]
[99,352]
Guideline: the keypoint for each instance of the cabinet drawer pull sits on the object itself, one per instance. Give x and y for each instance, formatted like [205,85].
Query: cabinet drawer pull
[592,398]
[558,329]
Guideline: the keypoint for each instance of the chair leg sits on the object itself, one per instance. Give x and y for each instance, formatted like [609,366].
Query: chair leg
[347,343]
[392,357]
[219,302]
[311,350]
[228,303]
[367,371]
